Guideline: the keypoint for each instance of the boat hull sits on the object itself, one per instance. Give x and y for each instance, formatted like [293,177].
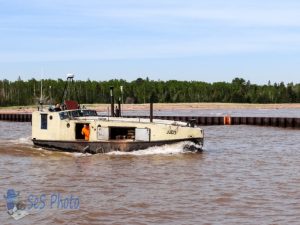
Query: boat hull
[104,147]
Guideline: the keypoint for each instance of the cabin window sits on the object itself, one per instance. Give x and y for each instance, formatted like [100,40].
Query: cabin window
[63,115]
[89,113]
[117,133]
[44,121]
[75,113]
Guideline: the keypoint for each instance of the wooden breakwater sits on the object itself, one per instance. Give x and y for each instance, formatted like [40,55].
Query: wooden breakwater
[16,117]
[236,120]
[287,122]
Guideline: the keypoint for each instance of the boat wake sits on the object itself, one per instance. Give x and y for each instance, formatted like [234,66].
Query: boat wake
[171,149]
[17,141]
[24,140]
[178,148]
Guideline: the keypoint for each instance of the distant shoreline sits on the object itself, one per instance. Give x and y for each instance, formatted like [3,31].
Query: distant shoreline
[165,106]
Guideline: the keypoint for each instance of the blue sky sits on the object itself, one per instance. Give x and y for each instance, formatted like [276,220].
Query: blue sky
[212,40]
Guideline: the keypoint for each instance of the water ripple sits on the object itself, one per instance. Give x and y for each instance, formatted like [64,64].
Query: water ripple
[245,175]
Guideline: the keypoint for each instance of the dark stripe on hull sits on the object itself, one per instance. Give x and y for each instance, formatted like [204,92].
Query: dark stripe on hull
[104,147]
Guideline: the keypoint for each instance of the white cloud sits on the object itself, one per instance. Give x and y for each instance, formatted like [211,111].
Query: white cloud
[231,12]
[155,49]
[95,30]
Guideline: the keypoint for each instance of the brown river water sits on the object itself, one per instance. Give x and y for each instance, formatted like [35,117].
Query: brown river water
[245,175]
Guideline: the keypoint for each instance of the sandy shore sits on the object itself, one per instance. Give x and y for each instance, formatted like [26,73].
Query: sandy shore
[165,106]
[171,106]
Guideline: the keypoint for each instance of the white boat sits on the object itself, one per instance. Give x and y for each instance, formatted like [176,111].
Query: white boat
[62,130]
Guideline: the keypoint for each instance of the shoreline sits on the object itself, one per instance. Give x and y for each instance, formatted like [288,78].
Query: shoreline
[165,106]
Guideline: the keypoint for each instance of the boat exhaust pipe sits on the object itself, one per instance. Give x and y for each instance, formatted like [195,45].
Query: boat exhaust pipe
[151,111]
[112,101]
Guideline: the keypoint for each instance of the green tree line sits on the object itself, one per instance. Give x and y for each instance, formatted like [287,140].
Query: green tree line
[28,92]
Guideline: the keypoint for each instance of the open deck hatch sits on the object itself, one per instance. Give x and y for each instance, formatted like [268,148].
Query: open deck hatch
[117,133]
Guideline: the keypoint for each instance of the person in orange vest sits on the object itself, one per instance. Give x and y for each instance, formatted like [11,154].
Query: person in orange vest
[86,132]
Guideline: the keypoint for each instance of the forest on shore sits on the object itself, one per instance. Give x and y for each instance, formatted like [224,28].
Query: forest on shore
[30,92]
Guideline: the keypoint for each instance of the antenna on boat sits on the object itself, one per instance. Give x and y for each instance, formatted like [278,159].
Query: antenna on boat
[121,89]
[50,93]
[41,100]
